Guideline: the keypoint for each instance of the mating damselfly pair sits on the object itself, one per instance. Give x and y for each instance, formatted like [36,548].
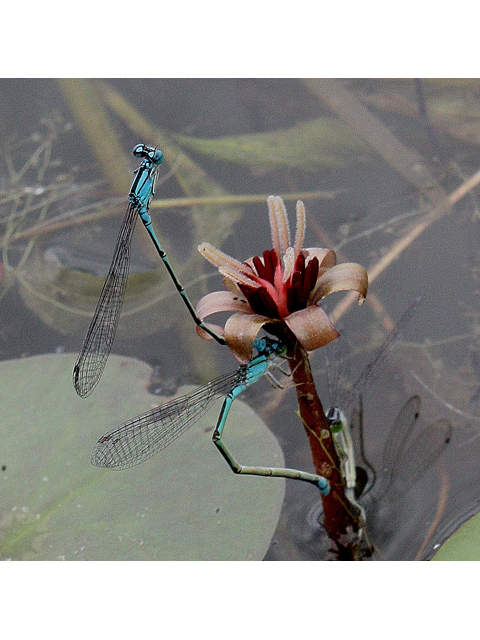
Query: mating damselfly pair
[137,440]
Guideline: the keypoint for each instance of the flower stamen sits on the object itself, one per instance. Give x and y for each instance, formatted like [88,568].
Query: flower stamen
[282,222]
[272,218]
[300,230]
[220,259]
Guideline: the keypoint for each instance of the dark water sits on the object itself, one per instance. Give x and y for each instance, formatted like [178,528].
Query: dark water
[372,204]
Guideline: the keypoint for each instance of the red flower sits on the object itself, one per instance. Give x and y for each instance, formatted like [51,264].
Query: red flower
[284,286]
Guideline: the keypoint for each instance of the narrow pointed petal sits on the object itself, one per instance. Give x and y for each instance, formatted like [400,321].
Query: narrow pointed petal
[266,267]
[311,275]
[240,331]
[312,327]
[347,276]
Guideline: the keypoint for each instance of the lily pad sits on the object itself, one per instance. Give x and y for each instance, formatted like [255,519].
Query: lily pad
[464,544]
[183,504]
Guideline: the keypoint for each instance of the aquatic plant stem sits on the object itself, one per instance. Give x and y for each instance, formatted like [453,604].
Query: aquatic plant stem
[406,161]
[341,522]
[93,118]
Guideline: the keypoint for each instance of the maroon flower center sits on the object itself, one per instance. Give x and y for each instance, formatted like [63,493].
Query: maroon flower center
[297,289]
[302,282]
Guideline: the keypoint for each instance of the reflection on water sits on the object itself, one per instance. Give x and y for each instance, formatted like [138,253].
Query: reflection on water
[53,172]
[62,257]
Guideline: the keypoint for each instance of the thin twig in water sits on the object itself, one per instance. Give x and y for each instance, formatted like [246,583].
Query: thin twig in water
[400,245]
[113,206]
[405,161]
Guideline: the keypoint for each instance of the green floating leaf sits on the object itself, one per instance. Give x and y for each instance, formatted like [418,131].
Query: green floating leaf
[183,504]
[324,142]
[464,544]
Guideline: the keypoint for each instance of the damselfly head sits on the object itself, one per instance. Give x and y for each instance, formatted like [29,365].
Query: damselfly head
[139,150]
[142,151]
[269,346]
[336,419]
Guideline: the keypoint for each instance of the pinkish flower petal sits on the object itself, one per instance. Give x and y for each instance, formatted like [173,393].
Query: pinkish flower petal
[232,286]
[312,327]
[214,327]
[347,276]
[221,301]
[326,257]
[241,329]
[217,302]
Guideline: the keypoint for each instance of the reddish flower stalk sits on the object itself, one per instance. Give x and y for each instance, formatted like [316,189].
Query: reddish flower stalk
[341,522]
